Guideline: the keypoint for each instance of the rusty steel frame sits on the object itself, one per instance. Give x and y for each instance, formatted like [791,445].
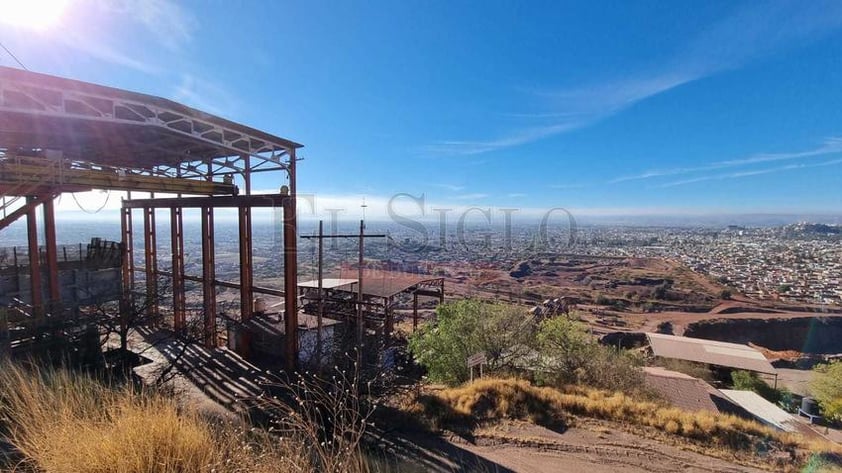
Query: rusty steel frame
[244,204]
[137,135]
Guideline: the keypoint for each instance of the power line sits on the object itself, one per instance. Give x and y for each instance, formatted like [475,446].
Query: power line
[13,56]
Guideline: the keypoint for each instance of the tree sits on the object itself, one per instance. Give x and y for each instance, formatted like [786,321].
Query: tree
[505,333]
[570,355]
[749,381]
[826,387]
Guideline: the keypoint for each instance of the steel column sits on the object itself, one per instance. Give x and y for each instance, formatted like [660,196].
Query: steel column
[246,278]
[291,271]
[209,272]
[177,243]
[52,251]
[37,297]
[128,267]
[150,245]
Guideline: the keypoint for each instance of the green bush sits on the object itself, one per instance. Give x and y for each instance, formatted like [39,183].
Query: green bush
[749,381]
[503,332]
[826,387]
[570,355]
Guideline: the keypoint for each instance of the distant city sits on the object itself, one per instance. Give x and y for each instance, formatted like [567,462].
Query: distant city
[798,263]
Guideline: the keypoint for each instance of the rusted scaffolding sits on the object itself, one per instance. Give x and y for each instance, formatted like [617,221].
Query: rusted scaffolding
[59,135]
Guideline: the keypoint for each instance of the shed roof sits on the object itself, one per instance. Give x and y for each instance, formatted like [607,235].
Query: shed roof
[712,352]
[763,410]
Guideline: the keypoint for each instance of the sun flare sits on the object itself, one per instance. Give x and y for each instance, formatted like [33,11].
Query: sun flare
[35,14]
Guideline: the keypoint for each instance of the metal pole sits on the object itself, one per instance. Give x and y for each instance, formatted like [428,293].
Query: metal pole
[321,296]
[291,270]
[360,322]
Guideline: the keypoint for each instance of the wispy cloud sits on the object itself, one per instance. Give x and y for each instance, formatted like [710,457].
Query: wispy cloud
[102,51]
[450,187]
[519,138]
[205,95]
[755,172]
[474,196]
[170,23]
[163,21]
[829,146]
[516,195]
[566,186]
[750,33]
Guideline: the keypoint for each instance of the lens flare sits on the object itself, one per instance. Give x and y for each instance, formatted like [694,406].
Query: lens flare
[34,14]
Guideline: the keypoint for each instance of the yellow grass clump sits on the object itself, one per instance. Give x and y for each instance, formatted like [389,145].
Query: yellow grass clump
[490,399]
[63,422]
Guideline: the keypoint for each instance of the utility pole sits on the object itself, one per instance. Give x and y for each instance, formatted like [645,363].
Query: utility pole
[361,236]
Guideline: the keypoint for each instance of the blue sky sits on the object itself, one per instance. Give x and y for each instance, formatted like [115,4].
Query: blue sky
[602,107]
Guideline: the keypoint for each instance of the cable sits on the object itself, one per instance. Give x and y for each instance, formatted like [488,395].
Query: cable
[13,56]
[107,196]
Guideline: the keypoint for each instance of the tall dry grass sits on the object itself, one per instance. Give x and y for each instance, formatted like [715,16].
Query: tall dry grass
[490,399]
[65,422]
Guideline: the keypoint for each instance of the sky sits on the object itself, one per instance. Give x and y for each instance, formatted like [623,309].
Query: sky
[603,108]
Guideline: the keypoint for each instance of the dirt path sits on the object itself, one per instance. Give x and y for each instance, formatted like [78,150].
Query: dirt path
[594,449]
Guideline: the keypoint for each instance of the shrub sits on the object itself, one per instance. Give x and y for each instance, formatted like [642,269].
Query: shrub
[504,332]
[570,355]
[826,387]
[749,381]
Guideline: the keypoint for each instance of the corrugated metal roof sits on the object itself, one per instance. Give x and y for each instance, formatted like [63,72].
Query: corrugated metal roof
[732,355]
[763,410]
[328,283]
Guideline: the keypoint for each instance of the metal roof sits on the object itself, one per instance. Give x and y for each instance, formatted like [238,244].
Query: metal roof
[763,410]
[731,355]
[383,284]
[328,283]
[115,127]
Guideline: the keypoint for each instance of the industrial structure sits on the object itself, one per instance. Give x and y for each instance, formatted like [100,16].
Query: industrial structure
[59,135]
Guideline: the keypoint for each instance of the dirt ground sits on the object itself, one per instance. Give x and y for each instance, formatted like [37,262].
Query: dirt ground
[593,448]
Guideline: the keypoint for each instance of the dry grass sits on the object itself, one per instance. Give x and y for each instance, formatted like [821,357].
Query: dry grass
[490,399]
[63,422]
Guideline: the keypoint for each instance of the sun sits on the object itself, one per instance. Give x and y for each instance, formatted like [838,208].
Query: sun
[35,14]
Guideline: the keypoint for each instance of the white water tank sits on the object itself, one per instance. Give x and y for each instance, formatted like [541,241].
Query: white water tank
[259,305]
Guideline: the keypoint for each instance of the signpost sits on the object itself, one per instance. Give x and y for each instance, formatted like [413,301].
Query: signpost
[477,359]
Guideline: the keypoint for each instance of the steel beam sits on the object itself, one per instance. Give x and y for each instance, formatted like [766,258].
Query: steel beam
[37,298]
[268,200]
[31,202]
[43,172]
